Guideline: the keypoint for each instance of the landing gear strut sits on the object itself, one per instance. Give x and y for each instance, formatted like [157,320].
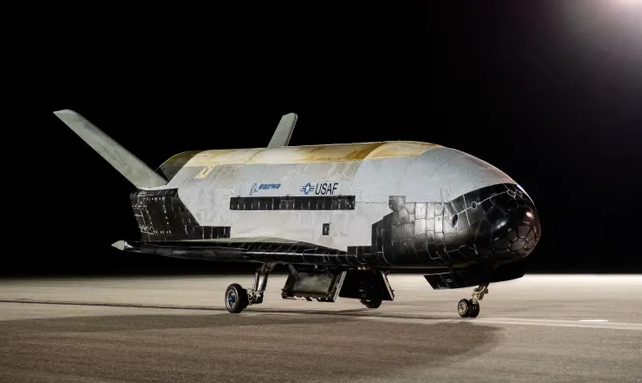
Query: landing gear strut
[238,298]
[470,307]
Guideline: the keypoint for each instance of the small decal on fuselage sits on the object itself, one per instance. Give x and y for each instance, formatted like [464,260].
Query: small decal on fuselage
[320,188]
[256,187]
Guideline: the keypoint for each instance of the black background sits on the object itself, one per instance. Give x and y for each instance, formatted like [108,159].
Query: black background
[548,91]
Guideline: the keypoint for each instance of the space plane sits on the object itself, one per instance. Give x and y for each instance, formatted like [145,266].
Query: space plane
[340,217]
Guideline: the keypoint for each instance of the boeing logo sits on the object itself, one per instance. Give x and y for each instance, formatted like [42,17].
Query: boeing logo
[320,188]
[258,187]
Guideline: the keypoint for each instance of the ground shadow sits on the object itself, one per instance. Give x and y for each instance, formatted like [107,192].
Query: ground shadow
[221,347]
[154,322]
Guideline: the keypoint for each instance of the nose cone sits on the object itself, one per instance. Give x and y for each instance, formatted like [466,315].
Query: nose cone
[515,226]
[509,226]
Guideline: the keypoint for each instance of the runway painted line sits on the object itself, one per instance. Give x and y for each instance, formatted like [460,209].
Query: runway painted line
[367,314]
[516,322]
[562,323]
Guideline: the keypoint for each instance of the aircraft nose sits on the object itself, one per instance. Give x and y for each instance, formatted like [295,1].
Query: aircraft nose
[511,225]
[504,222]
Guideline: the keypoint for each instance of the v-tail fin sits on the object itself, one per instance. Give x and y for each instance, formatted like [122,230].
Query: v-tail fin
[283,132]
[132,168]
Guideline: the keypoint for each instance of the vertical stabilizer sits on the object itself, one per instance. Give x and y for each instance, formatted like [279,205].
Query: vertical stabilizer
[135,170]
[283,132]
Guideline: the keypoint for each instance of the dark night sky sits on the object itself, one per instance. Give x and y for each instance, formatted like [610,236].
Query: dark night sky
[548,91]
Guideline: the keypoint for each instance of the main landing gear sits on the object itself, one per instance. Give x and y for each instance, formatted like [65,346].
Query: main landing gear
[370,303]
[238,298]
[470,307]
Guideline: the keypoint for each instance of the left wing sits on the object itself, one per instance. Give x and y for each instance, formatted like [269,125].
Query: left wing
[254,249]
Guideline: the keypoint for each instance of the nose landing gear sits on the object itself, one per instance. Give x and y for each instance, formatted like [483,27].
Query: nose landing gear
[469,308]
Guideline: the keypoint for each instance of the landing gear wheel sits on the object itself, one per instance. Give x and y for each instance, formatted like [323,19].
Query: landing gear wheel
[468,308]
[371,303]
[236,298]
[464,308]
[474,309]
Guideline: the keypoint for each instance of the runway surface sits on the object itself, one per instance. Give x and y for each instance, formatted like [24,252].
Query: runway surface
[174,329]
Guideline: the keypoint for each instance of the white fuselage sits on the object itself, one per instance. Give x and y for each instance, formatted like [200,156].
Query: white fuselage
[371,172]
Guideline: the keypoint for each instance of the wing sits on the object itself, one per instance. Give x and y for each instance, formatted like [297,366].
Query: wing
[253,249]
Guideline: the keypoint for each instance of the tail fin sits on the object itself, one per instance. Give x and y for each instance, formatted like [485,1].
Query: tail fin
[135,170]
[283,132]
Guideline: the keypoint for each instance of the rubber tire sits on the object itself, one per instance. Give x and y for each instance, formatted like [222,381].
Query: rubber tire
[241,301]
[371,303]
[464,308]
[474,310]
